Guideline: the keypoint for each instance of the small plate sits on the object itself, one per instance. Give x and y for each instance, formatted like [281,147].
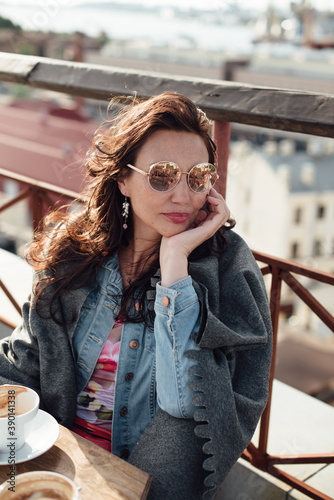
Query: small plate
[44,434]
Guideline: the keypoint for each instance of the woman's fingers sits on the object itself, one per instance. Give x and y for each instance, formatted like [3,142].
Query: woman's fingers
[215,215]
[209,219]
[218,210]
[201,216]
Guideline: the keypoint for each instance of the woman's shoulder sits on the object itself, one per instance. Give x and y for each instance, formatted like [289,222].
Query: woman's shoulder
[237,255]
[229,256]
[235,245]
[223,245]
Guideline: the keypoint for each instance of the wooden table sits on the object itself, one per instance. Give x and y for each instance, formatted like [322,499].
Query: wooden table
[101,475]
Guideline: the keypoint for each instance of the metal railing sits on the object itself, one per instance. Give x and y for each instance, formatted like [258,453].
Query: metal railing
[42,197]
[282,270]
[224,102]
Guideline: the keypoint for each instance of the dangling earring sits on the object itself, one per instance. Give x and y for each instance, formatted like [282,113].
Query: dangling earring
[125,213]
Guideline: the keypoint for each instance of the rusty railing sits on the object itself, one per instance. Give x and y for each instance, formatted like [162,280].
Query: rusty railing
[42,197]
[283,271]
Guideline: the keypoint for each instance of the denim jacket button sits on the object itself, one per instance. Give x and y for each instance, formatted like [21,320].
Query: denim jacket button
[129,377]
[165,301]
[134,344]
[123,412]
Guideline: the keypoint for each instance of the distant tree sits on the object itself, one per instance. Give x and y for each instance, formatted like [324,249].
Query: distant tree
[8,24]
[103,38]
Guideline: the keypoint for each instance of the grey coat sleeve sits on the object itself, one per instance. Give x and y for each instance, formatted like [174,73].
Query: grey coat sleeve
[19,355]
[234,360]
[39,355]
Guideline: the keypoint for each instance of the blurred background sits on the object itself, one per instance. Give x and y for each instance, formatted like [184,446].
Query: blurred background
[280,185]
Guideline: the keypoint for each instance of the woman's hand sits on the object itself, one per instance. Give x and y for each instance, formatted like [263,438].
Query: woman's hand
[175,250]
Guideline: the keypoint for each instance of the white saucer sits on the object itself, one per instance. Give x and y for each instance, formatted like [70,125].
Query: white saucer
[43,436]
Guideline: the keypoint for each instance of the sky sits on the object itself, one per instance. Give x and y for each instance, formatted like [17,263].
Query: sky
[258,4]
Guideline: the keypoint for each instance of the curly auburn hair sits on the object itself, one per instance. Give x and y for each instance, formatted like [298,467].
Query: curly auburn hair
[70,249]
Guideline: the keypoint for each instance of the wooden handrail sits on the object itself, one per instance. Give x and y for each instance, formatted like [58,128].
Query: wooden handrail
[273,108]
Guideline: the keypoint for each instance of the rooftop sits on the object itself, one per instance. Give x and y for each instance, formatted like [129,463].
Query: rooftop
[305,175]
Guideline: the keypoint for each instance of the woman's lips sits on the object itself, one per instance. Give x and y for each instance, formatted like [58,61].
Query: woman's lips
[177,217]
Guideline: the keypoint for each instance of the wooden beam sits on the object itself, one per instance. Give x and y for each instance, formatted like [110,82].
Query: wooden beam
[282,109]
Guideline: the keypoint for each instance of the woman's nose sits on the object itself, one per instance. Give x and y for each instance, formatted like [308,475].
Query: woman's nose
[181,193]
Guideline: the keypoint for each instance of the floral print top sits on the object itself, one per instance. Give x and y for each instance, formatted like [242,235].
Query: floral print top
[95,403]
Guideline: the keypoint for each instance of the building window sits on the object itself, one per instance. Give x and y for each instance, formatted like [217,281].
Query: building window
[295,250]
[298,215]
[317,248]
[321,210]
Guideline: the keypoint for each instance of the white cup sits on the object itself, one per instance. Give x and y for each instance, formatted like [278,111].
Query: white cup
[18,408]
[41,485]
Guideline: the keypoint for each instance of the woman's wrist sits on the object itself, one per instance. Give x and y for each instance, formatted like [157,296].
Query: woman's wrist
[173,262]
[173,269]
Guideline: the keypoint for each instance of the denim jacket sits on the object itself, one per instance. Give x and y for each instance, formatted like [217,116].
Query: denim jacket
[152,370]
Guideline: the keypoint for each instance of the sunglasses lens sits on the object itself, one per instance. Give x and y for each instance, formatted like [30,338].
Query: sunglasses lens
[164,176]
[202,177]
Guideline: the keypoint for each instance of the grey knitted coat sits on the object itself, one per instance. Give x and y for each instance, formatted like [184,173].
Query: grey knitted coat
[188,459]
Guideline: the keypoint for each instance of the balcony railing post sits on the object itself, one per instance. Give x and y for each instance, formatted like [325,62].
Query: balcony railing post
[275,300]
[37,208]
[221,135]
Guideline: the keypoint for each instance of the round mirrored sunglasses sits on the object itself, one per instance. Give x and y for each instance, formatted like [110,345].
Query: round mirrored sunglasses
[165,176]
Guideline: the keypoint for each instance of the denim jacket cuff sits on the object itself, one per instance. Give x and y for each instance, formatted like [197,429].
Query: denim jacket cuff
[175,298]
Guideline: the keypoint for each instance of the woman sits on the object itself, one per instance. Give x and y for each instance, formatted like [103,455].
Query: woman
[149,283]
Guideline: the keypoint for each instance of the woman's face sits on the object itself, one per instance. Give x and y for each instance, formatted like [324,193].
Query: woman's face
[157,214]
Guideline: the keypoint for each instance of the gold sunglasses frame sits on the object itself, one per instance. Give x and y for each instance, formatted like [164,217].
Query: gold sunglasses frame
[148,174]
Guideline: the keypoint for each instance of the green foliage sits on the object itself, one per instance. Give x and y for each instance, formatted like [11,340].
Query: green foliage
[8,24]
[20,91]
[26,48]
